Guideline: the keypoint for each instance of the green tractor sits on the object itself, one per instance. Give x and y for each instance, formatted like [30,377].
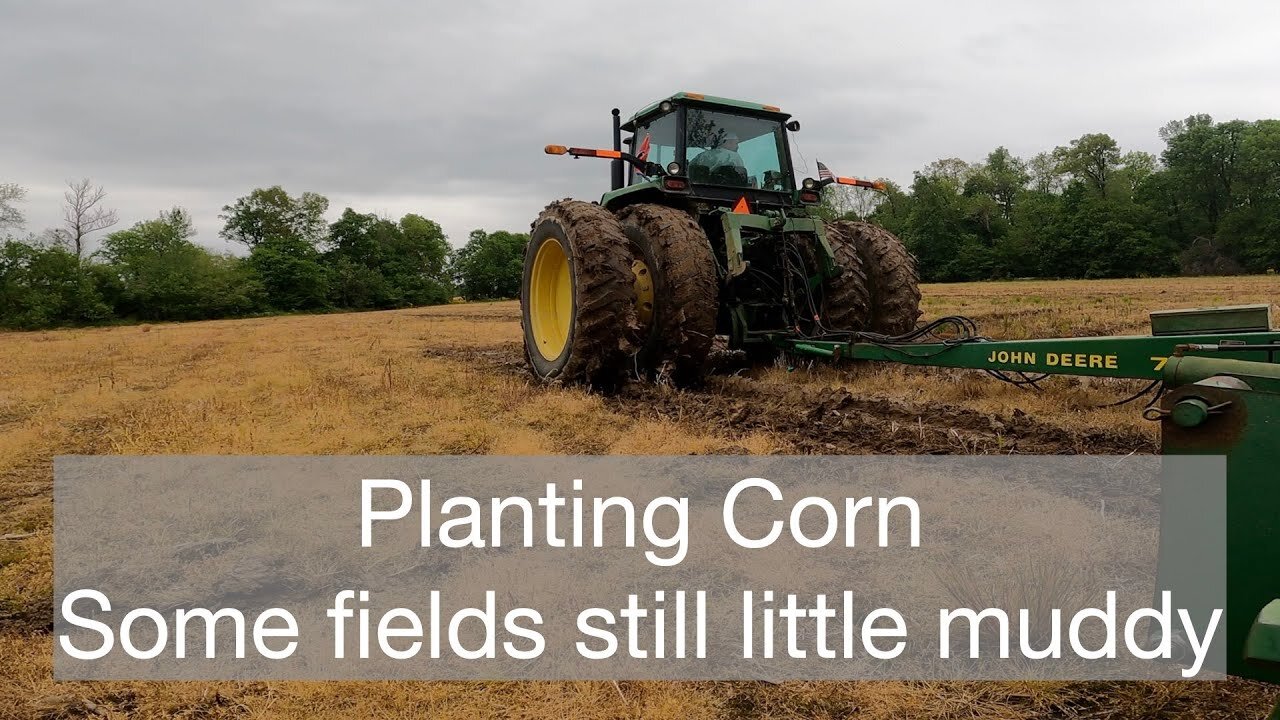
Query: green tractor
[706,232]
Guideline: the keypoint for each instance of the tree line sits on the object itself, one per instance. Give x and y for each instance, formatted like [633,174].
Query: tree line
[1208,204]
[296,261]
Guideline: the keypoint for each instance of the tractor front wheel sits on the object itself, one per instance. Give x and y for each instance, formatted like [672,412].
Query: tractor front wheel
[577,295]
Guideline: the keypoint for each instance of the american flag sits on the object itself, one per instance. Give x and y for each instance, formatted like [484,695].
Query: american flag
[824,173]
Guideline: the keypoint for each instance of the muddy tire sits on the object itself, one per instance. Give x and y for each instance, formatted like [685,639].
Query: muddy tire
[686,291]
[846,304]
[891,275]
[577,296]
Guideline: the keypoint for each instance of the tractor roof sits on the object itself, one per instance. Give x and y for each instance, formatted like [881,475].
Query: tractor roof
[711,100]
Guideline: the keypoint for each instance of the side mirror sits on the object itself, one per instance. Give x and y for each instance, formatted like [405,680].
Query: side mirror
[629,141]
[794,126]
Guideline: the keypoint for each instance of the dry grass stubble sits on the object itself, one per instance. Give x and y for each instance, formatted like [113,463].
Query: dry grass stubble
[361,383]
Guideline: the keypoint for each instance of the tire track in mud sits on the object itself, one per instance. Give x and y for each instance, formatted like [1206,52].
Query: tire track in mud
[833,421]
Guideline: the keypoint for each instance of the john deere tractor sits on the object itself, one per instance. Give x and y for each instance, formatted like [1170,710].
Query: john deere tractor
[705,232]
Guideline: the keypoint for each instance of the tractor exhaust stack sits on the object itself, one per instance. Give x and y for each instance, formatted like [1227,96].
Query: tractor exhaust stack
[615,167]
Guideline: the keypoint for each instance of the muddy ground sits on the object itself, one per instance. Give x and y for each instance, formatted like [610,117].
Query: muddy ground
[833,421]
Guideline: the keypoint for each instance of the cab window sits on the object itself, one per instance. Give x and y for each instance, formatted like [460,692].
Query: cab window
[735,150]
[660,134]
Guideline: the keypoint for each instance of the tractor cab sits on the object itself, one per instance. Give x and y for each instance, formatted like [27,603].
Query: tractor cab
[705,148]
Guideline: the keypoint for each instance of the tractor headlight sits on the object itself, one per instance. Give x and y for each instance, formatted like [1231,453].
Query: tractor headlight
[674,168]
[810,183]
[666,106]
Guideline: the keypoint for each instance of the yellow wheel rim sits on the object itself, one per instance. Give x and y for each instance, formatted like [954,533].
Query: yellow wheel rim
[550,299]
[644,292]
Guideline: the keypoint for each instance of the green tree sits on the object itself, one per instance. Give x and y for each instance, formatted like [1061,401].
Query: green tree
[937,227]
[43,286]
[1102,236]
[1136,167]
[379,263]
[1202,156]
[490,265]
[354,257]
[1045,177]
[1210,203]
[893,212]
[1251,226]
[1034,228]
[418,265]
[168,233]
[1003,178]
[292,273]
[268,213]
[1090,158]
[954,170]
[283,234]
[157,273]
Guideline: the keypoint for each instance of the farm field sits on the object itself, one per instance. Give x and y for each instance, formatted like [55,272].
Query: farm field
[450,379]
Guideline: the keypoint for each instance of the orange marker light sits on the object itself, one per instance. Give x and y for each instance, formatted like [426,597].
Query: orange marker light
[555,150]
[773,108]
[589,152]
[695,96]
[742,208]
[877,185]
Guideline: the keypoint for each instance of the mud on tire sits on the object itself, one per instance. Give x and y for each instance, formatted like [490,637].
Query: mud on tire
[891,275]
[847,297]
[581,337]
[687,290]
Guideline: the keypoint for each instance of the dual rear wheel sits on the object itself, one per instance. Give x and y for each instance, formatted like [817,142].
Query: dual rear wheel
[879,290]
[606,297]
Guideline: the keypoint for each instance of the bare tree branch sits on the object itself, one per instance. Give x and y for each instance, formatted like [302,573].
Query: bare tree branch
[847,201]
[54,238]
[83,212]
[10,215]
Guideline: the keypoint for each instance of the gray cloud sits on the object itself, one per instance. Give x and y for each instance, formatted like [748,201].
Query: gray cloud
[443,108]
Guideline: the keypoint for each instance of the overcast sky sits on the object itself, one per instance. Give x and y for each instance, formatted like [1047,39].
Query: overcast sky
[443,109]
